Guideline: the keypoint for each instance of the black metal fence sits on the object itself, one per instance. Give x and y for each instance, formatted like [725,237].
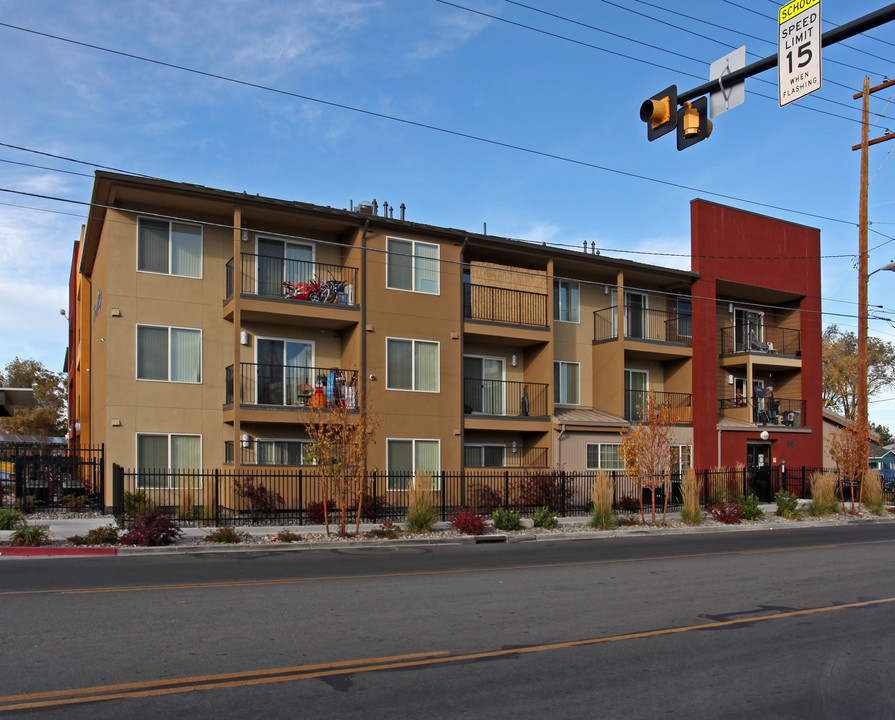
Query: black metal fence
[268,496]
[50,476]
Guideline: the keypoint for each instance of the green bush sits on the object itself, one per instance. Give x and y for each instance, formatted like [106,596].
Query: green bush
[421,516]
[226,534]
[787,504]
[10,519]
[30,536]
[74,503]
[545,518]
[106,535]
[749,509]
[506,520]
[26,504]
[137,503]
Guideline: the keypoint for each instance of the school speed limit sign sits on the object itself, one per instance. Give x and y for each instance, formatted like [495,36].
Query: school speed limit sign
[798,50]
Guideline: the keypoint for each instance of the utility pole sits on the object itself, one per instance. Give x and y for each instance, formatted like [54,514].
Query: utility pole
[863,420]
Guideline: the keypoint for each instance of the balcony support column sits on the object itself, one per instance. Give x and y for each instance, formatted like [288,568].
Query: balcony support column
[237,328]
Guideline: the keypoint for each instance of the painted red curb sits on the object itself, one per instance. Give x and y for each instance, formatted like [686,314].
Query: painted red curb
[50,551]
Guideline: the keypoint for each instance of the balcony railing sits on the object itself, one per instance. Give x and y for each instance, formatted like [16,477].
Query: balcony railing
[298,280]
[279,453]
[644,324]
[760,339]
[504,397]
[496,456]
[769,410]
[501,305]
[296,386]
[680,405]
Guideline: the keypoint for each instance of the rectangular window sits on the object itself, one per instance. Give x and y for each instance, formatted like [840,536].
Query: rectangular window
[169,354]
[413,266]
[566,301]
[493,456]
[412,365]
[566,385]
[284,452]
[168,461]
[604,456]
[684,317]
[169,248]
[406,457]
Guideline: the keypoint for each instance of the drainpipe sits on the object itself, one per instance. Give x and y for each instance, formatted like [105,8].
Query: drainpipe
[363,311]
[559,446]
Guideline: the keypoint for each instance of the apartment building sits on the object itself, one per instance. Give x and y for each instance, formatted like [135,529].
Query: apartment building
[212,326]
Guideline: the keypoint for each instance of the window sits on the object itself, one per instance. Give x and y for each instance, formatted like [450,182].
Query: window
[164,460]
[566,385]
[412,265]
[684,317]
[169,354]
[169,248]
[565,301]
[680,459]
[279,261]
[284,372]
[284,452]
[484,455]
[412,365]
[604,456]
[636,394]
[407,457]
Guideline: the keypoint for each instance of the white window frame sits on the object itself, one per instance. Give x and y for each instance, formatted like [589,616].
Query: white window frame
[171,476]
[599,466]
[170,224]
[413,342]
[557,395]
[558,307]
[413,270]
[436,474]
[169,328]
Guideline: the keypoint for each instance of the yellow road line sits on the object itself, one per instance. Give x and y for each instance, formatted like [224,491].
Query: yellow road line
[306,672]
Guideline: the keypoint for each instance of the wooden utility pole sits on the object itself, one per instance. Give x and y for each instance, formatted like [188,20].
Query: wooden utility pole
[862,420]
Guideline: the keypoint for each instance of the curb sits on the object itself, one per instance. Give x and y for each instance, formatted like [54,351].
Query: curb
[57,551]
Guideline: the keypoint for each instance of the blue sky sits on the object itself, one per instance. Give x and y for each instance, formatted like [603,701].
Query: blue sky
[442,66]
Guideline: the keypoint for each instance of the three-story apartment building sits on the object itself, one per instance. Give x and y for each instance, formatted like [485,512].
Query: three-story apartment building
[213,326]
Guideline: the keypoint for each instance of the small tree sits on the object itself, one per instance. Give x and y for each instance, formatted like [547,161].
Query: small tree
[646,451]
[849,453]
[341,438]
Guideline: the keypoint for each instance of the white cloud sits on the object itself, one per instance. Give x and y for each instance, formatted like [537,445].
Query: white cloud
[452,31]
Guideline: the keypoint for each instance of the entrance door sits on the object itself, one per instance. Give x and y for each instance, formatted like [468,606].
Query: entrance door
[278,261]
[283,368]
[483,388]
[635,315]
[758,460]
[636,388]
[748,330]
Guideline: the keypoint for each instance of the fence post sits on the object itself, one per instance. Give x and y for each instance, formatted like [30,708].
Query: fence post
[562,487]
[217,497]
[117,490]
[705,487]
[506,488]
[804,475]
[373,492]
[443,495]
[301,496]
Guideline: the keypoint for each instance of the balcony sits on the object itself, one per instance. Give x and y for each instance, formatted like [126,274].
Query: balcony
[505,306]
[279,453]
[659,326]
[760,339]
[505,398]
[291,387]
[767,410]
[499,456]
[680,405]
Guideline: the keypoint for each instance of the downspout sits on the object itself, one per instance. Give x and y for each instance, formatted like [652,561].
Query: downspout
[462,350]
[363,312]
[559,446]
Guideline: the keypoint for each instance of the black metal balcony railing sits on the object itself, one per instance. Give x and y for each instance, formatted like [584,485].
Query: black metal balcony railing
[761,339]
[680,405]
[502,305]
[279,453]
[507,398]
[228,385]
[298,280]
[296,386]
[494,456]
[644,324]
[769,410]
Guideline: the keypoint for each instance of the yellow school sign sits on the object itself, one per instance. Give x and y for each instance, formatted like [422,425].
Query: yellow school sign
[798,50]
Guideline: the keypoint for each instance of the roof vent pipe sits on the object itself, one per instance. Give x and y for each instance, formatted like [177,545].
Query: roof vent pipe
[375,207]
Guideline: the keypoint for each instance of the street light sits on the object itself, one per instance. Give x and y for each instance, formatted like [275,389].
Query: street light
[887,266]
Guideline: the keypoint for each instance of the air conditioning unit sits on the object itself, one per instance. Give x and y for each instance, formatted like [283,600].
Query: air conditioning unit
[365,208]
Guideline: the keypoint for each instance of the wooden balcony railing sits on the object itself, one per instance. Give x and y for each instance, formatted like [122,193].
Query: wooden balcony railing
[502,305]
[680,405]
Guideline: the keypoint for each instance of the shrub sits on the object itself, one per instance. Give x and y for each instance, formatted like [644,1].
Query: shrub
[26,504]
[387,530]
[106,535]
[691,489]
[506,520]
[545,489]
[137,503]
[729,513]
[318,510]
[787,504]
[604,488]
[74,503]
[485,498]
[873,493]
[628,504]
[287,536]
[823,495]
[10,519]
[421,513]
[150,530]
[369,504]
[468,522]
[544,518]
[260,500]
[749,509]
[30,536]
[226,534]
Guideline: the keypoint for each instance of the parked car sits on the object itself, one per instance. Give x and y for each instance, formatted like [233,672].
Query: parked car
[887,477]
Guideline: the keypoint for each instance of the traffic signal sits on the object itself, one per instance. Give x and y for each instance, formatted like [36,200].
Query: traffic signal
[660,113]
[693,124]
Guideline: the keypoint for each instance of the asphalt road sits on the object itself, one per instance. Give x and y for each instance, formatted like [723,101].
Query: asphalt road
[791,624]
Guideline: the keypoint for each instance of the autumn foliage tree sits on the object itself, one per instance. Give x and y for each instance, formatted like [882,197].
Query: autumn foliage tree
[47,417]
[840,369]
[340,439]
[849,451]
[646,451]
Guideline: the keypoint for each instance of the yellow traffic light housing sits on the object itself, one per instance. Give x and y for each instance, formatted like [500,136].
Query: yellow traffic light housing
[693,124]
[660,113]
